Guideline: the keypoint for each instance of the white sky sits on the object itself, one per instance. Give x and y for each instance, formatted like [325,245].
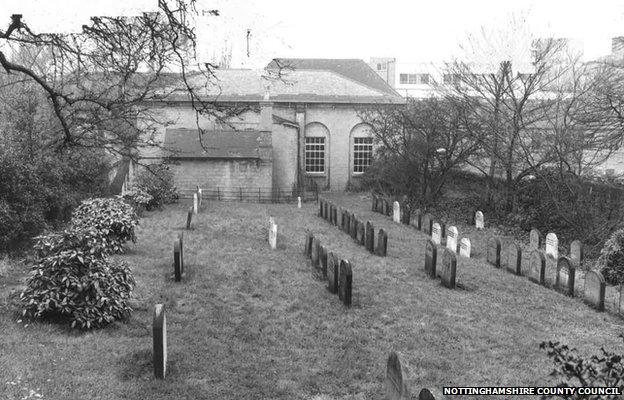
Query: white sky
[411,31]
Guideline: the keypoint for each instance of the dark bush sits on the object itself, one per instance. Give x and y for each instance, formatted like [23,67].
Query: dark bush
[156,180]
[74,279]
[113,218]
[611,260]
[604,370]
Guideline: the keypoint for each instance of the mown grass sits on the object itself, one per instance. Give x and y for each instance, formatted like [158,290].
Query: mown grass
[251,323]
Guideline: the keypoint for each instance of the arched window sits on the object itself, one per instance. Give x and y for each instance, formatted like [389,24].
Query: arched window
[361,148]
[316,142]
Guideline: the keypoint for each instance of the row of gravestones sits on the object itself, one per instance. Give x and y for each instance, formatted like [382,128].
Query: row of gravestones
[348,222]
[446,270]
[337,271]
[194,209]
[593,292]
[399,214]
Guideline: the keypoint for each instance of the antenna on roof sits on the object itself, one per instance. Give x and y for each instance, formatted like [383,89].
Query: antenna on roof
[248,35]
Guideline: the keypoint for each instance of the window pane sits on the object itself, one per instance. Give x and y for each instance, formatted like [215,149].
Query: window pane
[315,154]
[362,153]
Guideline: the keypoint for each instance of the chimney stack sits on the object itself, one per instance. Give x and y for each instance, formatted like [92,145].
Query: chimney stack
[266,112]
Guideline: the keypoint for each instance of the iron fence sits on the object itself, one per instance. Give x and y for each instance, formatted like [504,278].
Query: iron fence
[257,195]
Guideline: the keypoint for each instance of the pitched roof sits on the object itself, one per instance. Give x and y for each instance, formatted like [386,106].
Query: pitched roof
[354,69]
[304,86]
[182,143]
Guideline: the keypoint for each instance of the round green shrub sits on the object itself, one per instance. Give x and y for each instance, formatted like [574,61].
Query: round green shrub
[113,218]
[74,279]
[157,181]
[611,260]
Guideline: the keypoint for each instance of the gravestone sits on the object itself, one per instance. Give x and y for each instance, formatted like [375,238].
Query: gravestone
[273,236]
[576,252]
[199,196]
[346,223]
[384,207]
[431,256]
[332,273]
[374,202]
[369,242]
[398,379]
[361,231]
[345,286]
[309,239]
[406,214]
[442,232]
[436,233]
[449,269]
[189,218]
[479,220]
[323,261]
[565,276]
[298,201]
[552,246]
[514,259]
[427,223]
[382,243]
[493,251]
[177,261]
[465,247]
[396,212]
[320,202]
[425,394]
[195,203]
[535,239]
[451,238]
[315,253]
[181,240]
[332,217]
[537,267]
[353,226]
[594,292]
[326,211]
[417,220]
[159,335]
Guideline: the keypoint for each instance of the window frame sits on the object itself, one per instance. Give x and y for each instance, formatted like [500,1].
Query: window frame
[315,141]
[367,141]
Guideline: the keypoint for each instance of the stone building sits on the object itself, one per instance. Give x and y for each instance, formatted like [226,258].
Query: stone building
[294,122]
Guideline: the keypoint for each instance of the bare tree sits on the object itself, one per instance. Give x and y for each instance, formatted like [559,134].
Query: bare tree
[418,146]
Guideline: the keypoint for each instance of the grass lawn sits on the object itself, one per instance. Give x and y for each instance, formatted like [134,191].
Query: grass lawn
[251,323]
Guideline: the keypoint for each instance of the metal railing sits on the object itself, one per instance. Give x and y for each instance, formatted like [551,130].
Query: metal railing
[256,195]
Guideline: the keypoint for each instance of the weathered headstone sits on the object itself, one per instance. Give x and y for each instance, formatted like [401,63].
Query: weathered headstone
[406,214]
[332,272]
[436,233]
[535,239]
[425,394]
[382,243]
[396,212]
[353,221]
[308,244]
[323,261]
[431,257]
[189,218]
[398,379]
[514,259]
[159,335]
[565,276]
[370,237]
[177,261]
[181,240]
[465,247]
[552,246]
[273,236]
[346,223]
[315,253]
[449,268]
[417,219]
[200,196]
[595,287]
[576,253]
[452,236]
[361,231]
[537,267]
[195,203]
[427,223]
[442,232]
[374,202]
[320,202]
[479,220]
[299,202]
[493,251]
[345,287]
[325,211]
